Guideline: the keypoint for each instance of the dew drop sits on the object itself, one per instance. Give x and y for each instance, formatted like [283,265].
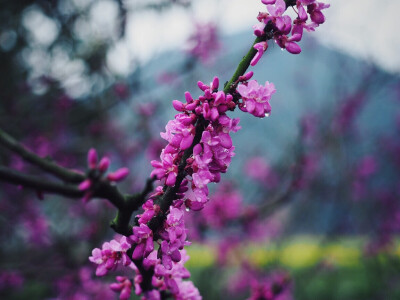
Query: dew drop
[187,209]
[267,114]
[282,49]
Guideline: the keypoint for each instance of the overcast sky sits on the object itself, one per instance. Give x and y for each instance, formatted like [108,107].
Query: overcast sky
[366,29]
[363,28]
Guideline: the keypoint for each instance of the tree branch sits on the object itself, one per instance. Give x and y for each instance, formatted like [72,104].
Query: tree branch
[126,204]
[126,207]
[44,164]
[39,184]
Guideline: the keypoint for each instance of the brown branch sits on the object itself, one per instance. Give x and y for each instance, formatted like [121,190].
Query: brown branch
[126,204]
[44,164]
[39,184]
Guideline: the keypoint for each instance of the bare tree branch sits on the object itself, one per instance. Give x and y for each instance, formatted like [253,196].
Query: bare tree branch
[39,184]
[44,164]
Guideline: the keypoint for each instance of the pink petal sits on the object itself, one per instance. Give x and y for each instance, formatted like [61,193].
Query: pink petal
[215,83]
[186,142]
[118,175]
[176,256]
[250,105]
[104,164]
[171,179]
[138,252]
[101,270]
[85,185]
[116,287]
[267,2]
[92,158]
[179,106]
[293,48]
[225,140]
[188,97]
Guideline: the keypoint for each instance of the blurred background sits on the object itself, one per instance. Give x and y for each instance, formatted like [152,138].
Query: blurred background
[310,206]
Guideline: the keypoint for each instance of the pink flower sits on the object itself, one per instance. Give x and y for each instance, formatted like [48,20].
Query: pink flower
[143,238]
[218,211]
[169,253]
[256,98]
[281,23]
[124,287]
[150,210]
[152,295]
[258,169]
[198,199]
[97,170]
[315,13]
[118,175]
[267,2]
[173,277]
[259,29]
[104,164]
[85,185]
[261,48]
[111,254]
[165,169]
[92,158]
[187,291]
[204,43]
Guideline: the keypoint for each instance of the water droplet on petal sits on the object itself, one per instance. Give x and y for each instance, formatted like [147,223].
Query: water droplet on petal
[282,49]
[267,114]
[187,209]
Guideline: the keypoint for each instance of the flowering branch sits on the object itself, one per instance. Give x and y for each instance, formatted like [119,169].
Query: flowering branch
[103,188]
[199,150]
[170,192]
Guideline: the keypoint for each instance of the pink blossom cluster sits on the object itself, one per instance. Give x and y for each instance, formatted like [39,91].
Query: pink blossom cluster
[280,26]
[365,168]
[167,262]
[11,279]
[273,286]
[111,255]
[173,280]
[97,170]
[170,279]
[347,113]
[203,43]
[259,170]
[124,287]
[256,98]
[212,155]
[217,213]
[80,285]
